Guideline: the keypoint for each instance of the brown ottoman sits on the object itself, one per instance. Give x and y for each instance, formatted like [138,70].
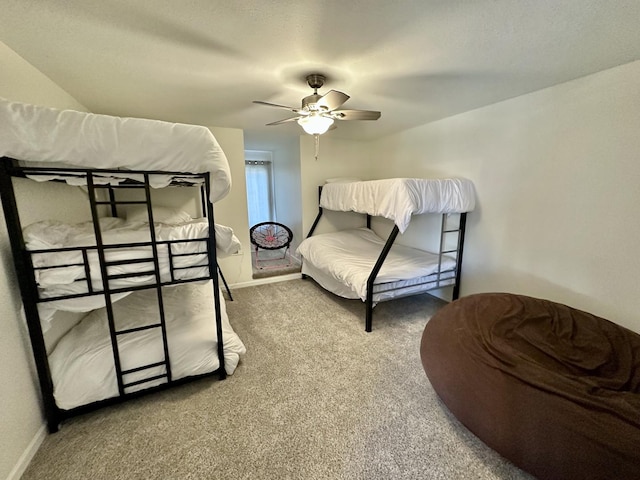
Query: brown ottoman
[553,389]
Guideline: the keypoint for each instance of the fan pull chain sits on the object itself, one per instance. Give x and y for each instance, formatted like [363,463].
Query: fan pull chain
[317,142]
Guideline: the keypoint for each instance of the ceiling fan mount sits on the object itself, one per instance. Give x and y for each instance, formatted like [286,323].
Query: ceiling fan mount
[316,80]
[318,112]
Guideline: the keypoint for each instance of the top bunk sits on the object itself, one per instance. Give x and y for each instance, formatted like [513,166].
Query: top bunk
[397,199]
[64,145]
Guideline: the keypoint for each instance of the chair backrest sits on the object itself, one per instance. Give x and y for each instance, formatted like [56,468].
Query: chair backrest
[270,235]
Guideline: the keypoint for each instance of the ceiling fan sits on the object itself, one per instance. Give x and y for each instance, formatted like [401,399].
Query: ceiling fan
[318,112]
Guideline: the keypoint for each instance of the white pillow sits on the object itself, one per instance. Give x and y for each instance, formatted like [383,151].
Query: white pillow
[171,216]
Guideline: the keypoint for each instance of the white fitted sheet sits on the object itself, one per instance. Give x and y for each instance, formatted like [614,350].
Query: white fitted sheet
[399,198]
[341,262]
[68,138]
[82,365]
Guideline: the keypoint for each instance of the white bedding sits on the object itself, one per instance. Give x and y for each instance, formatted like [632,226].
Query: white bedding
[342,261]
[82,362]
[67,138]
[68,280]
[399,198]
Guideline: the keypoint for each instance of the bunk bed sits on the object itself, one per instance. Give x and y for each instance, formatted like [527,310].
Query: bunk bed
[357,263]
[146,277]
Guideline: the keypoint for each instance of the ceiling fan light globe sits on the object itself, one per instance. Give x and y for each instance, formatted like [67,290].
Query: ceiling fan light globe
[315,124]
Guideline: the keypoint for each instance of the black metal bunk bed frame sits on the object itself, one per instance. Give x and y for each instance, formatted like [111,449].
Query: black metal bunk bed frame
[443,277]
[29,291]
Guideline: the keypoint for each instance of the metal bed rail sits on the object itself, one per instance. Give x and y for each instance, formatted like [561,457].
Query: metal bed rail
[86,252]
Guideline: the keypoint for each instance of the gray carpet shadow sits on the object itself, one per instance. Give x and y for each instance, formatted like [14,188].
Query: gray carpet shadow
[314,397]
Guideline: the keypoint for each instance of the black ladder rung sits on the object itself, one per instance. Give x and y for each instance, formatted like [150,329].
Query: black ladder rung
[449,251]
[59,266]
[130,275]
[191,266]
[138,329]
[188,254]
[451,231]
[121,202]
[185,240]
[130,261]
[119,185]
[143,367]
[144,380]
[134,288]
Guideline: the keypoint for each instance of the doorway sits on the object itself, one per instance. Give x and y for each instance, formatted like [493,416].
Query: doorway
[272,170]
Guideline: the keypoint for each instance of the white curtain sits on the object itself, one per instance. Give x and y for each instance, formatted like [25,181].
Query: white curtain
[259,195]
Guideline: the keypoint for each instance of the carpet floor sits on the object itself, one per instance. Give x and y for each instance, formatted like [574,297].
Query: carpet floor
[273,264]
[315,397]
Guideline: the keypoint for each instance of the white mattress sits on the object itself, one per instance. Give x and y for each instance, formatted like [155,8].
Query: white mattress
[399,198]
[68,280]
[341,262]
[63,138]
[82,365]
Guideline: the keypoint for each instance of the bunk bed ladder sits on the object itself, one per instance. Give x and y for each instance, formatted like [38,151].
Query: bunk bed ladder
[104,270]
[445,249]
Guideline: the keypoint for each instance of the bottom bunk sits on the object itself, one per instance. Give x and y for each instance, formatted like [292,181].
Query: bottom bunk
[341,262]
[82,362]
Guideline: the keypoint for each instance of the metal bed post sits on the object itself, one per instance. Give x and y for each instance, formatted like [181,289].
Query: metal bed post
[213,272]
[226,285]
[29,294]
[112,201]
[374,274]
[461,226]
[315,222]
[204,210]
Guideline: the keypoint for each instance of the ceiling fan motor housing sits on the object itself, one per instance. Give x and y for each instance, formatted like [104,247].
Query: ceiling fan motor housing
[310,103]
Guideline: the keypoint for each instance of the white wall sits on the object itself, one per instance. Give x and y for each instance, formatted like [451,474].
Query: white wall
[557,174]
[21,420]
[337,158]
[232,209]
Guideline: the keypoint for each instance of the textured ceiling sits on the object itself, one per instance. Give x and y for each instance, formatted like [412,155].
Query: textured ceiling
[204,61]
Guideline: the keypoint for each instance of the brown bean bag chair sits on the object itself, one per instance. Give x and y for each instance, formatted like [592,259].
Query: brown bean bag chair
[553,389]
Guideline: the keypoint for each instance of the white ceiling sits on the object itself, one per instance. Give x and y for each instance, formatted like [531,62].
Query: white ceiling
[204,61]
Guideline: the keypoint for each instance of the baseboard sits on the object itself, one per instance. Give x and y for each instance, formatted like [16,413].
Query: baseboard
[28,454]
[262,281]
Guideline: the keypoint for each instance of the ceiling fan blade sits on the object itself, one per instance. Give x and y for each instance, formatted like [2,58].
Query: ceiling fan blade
[292,119]
[332,99]
[275,105]
[355,115]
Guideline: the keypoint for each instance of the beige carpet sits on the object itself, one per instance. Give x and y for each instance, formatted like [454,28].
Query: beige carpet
[273,263]
[315,397]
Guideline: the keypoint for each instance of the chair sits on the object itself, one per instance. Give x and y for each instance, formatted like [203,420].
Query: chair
[271,236]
